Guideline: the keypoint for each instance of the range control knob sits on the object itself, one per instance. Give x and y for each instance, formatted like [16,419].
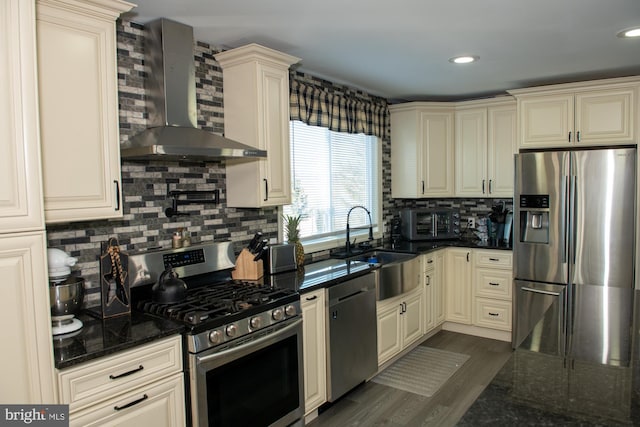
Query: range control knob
[215,337]
[290,310]
[277,314]
[231,331]
[255,322]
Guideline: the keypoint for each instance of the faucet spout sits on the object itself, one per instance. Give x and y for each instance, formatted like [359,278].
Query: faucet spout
[348,243]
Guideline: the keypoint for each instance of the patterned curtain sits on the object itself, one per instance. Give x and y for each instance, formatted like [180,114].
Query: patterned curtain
[316,106]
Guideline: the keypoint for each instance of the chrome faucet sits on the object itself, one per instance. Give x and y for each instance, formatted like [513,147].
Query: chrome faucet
[348,245]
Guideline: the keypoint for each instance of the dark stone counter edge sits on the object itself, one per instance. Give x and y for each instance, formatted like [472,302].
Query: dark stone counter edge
[126,332]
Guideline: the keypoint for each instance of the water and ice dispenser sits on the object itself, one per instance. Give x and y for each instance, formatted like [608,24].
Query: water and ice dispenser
[534,218]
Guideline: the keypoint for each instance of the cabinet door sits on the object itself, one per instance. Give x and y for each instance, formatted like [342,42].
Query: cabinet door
[428,298]
[158,404]
[436,131]
[471,153]
[389,332]
[546,121]
[21,190]
[501,147]
[27,351]
[458,287]
[79,111]
[492,283]
[256,113]
[412,325]
[606,117]
[313,341]
[439,303]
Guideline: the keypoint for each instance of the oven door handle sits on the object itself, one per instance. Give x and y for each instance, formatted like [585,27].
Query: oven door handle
[267,338]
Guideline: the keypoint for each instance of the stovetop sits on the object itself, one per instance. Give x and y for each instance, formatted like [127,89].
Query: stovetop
[213,305]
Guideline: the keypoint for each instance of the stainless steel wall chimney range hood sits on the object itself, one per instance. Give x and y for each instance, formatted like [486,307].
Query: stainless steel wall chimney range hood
[171,88]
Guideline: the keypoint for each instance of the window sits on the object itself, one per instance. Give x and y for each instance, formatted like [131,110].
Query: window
[331,172]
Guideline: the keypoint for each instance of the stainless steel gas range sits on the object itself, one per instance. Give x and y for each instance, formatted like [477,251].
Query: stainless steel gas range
[243,340]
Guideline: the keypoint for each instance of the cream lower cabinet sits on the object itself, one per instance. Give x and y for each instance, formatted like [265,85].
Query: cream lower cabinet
[603,112]
[78,96]
[400,323]
[433,296]
[314,349]
[422,150]
[256,113]
[492,289]
[485,142]
[458,285]
[141,386]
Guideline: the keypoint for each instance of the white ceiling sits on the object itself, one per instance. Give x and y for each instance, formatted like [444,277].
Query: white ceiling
[399,49]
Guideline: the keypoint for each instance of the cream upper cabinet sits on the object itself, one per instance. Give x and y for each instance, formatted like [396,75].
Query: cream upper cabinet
[78,91]
[21,189]
[256,113]
[314,351]
[603,112]
[458,285]
[422,150]
[485,142]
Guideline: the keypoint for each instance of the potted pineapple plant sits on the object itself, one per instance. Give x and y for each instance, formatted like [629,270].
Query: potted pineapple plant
[292,231]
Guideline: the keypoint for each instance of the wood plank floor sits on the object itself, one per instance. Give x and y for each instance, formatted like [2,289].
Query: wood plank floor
[372,404]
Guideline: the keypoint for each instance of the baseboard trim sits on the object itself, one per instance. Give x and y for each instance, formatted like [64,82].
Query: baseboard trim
[477,331]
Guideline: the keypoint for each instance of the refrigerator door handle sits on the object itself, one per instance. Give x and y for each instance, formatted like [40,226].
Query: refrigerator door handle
[540,291]
[564,214]
[573,226]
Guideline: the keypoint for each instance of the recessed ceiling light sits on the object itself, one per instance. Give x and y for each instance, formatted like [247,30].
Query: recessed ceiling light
[629,32]
[463,59]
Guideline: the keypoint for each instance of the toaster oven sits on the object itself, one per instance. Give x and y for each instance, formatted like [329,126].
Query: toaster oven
[281,257]
[429,224]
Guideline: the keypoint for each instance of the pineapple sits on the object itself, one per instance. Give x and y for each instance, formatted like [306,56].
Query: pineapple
[292,231]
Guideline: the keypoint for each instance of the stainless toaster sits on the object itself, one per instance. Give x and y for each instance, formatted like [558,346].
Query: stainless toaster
[281,257]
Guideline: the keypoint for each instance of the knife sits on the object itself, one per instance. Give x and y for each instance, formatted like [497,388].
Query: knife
[261,254]
[258,248]
[253,244]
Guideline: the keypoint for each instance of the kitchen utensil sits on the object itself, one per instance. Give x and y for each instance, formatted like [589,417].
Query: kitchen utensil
[66,299]
[169,289]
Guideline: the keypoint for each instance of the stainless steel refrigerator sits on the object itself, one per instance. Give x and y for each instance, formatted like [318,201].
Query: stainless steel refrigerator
[574,253]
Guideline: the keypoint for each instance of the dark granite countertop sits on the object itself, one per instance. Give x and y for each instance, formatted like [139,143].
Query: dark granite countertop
[429,246]
[99,337]
[536,389]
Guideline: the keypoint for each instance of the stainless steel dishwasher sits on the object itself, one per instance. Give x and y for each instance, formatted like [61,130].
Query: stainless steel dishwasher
[352,343]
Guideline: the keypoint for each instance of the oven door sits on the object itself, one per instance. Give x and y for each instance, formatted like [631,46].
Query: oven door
[257,381]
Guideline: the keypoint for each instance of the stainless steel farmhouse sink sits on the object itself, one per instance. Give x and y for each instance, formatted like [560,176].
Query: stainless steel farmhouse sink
[398,273]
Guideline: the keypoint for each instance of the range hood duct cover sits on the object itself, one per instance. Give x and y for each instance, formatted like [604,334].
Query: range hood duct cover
[171,86]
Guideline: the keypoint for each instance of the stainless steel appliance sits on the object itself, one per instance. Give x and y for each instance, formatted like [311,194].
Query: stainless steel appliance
[430,224]
[574,253]
[243,340]
[280,258]
[351,335]
[66,293]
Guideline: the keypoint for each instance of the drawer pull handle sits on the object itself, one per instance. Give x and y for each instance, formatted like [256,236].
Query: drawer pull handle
[430,261]
[494,259]
[494,314]
[312,298]
[130,404]
[133,371]
[494,284]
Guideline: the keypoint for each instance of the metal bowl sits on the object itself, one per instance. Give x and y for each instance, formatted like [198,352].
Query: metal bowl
[66,297]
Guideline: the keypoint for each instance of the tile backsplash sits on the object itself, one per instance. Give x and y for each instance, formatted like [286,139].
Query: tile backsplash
[145,184]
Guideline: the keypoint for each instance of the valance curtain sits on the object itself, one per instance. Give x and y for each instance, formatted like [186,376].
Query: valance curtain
[316,106]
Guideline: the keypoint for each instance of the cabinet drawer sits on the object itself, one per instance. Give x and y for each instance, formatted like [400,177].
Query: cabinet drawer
[89,383]
[493,259]
[159,404]
[492,283]
[492,314]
